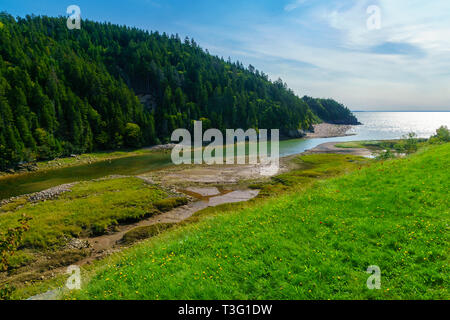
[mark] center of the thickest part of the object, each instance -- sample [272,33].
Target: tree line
[109,87]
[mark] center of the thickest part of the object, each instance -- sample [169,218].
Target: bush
[409,144]
[10,241]
[442,135]
[386,155]
[9,244]
[133,135]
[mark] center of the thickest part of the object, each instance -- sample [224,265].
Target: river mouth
[27,183]
[376,126]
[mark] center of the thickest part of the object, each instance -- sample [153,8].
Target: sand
[327,130]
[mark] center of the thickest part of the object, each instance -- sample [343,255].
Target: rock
[204,192]
[50,193]
[163,147]
[148,101]
[292,134]
[77,244]
[32,167]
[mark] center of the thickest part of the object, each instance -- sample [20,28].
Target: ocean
[377,126]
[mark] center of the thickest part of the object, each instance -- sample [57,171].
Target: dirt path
[105,244]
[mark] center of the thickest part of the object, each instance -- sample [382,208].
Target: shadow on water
[390,125]
[135,165]
[38,181]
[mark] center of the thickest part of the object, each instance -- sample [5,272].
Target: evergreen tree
[64,92]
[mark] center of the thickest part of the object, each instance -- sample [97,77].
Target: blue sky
[322,48]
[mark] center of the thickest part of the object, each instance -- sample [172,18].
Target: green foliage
[409,143]
[11,240]
[310,244]
[9,243]
[331,111]
[133,135]
[6,292]
[91,208]
[350,145]
[386,155]
[65,92]
[442,135]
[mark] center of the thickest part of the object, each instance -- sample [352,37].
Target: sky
[371,55]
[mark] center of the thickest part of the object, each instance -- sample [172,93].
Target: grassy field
[313,243]
[373,145]
[91,208]
[305,170]
[378,145]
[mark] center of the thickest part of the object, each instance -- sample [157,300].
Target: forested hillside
[331,111]
[107,86]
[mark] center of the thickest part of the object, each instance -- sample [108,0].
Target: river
[376,126]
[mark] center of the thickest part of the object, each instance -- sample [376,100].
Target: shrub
[385,155]
[133,135]
[9,244]
[409,143]
[442,135]
[10,241]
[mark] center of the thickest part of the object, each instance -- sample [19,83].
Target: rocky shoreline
[43,195]
[328,130]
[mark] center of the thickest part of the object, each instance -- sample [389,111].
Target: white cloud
[294,5]
[326,50]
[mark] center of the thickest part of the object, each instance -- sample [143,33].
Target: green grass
[312,244]
[308,170]
[378,145]
[91,208]
[351,144]
[371,144]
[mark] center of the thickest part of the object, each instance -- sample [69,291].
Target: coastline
[323,130]
[331,147]
[328,130]
[230,184]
